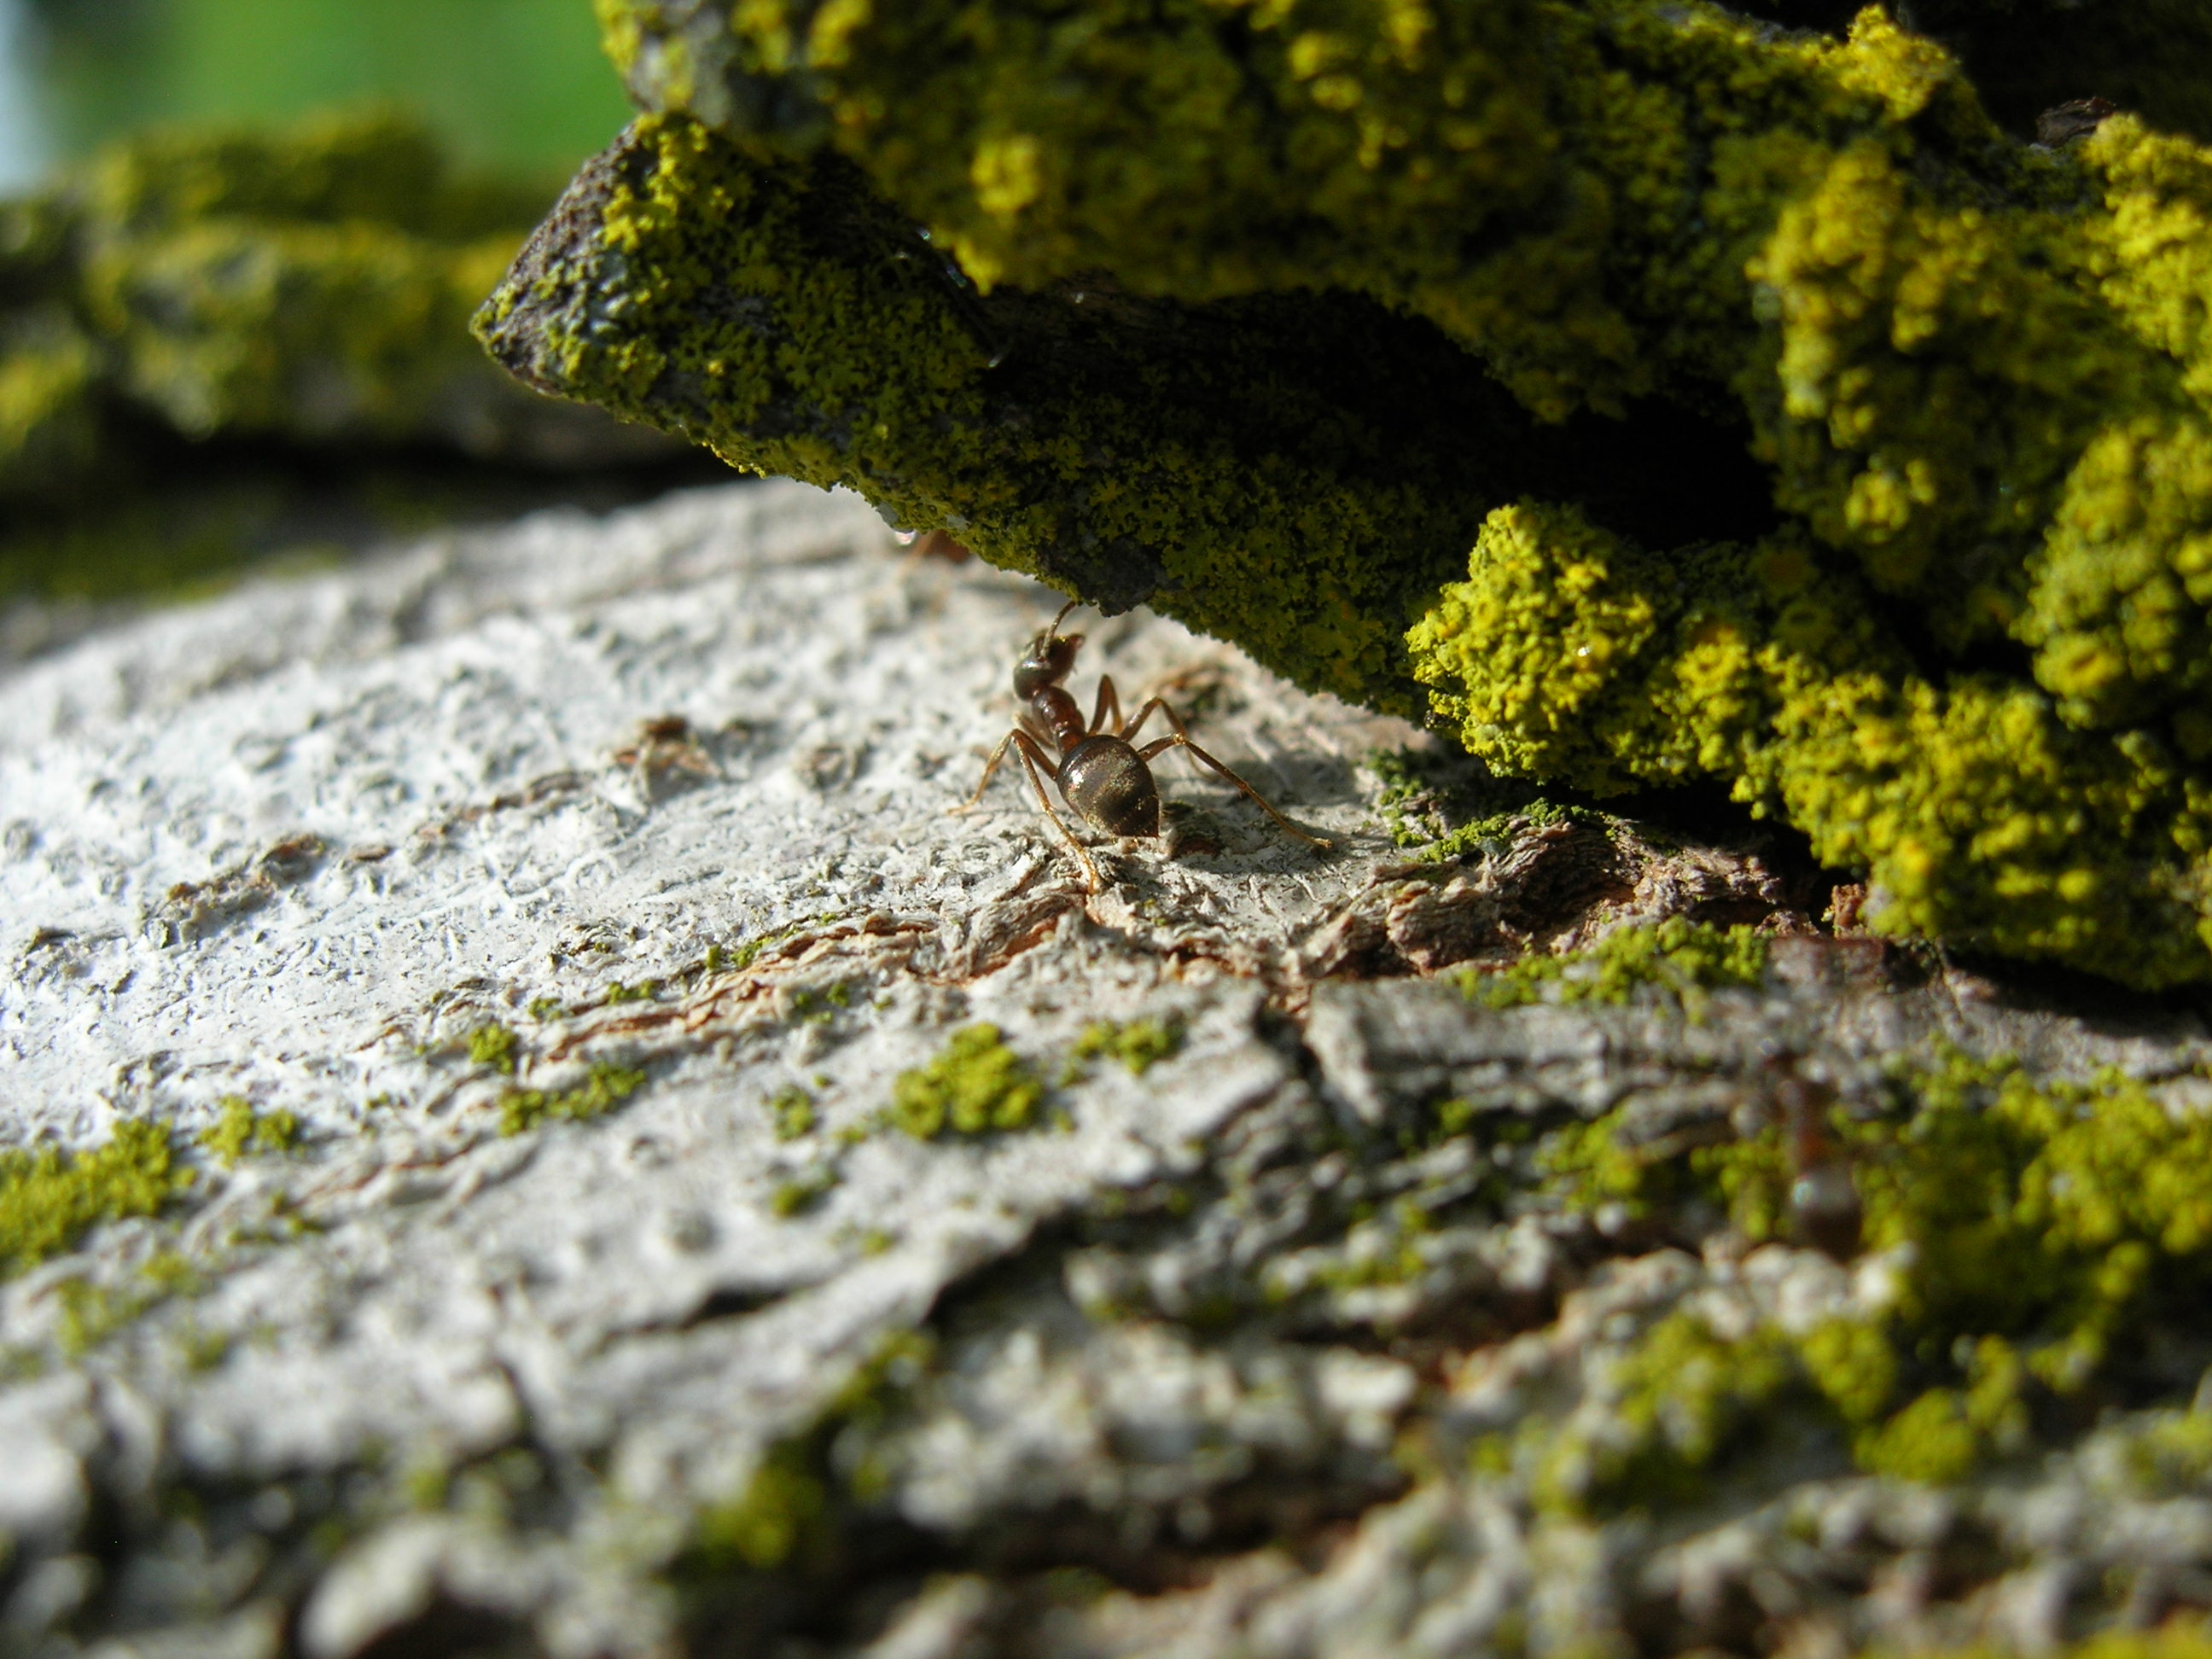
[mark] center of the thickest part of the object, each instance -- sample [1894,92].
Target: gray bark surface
[666,792]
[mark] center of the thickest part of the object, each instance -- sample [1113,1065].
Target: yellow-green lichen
[1441,808]
[1683,1402]
[91,1313]
[792,1110]
[1162,436]
[1980,814]
[49,1197]
[494,1045]
[199,1349]
[741,956]
[2173,1455]
[1947,1431]
[238,1129]
[1386,1249]
[974,1086]
[803,1191]
[1686,960]
[781,1520]
[2033,1229]
[1137,1045]
[2179,1638]
[787,1517]
[812,1006]
[1680,1400]
[605,1087]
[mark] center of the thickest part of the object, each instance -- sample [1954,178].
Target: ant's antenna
[1052,632]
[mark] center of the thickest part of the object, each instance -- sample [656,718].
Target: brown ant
[1101,772]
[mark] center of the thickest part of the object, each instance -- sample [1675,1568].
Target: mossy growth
[2177,1638]
[605,1087]
[1682,959]
[91,1313]
[803,1191]
[738,957]
[1645,393]
[1981,814]
[2170,1454]
[2034,1228]
[1385,1248]
[781,1519]
[806,269]
[494,1045]
[1136,1045]
[1679,1401]
[818,1005]
[792,1110]
[789,1516]
[976,1086]
[50,1197]
[1443,805]
[199,1349]
[240,1129]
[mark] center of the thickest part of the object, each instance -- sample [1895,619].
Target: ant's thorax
[1059,715]
[1050,660]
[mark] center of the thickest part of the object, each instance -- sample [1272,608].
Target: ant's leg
[984,782]
[1108,698]
[1181,740]
[1033,756]
[1128,733]
[998,755]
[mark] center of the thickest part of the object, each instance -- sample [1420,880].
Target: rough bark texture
[548,955]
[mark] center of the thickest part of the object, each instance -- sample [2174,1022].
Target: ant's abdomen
[1105,780]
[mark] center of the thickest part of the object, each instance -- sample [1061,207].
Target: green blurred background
[515,88]
[516,84]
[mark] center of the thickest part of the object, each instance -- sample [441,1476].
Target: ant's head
[1049,660]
